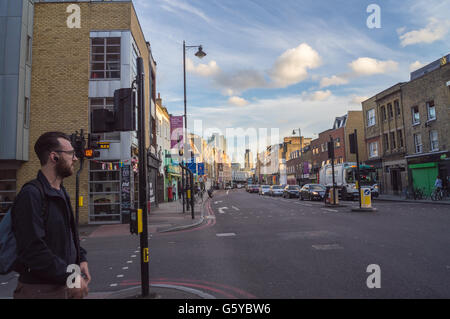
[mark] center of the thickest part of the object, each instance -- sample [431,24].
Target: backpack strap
[44,209]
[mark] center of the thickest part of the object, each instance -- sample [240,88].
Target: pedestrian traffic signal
[89,153]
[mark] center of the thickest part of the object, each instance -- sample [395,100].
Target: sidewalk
[168,217]
[394,198]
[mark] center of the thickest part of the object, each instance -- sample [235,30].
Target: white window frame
[105,61]
[373,149]
[428,110]
[434,143]
[414,122]
[371,119]
[418,145]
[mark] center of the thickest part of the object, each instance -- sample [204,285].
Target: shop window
[104,192]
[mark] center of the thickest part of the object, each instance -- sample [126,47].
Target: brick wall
[431,86]
[60,75]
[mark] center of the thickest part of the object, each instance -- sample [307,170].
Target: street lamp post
[301,148]
[200,54]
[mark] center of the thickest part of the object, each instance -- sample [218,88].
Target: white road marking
[308,205]
[119,276]
[125,268]
[218,202]
[4,283]
[221,210]
[129,262]
[226,235]
[133,256]
[330,210]
[235,208]
[113,285]
[327,247]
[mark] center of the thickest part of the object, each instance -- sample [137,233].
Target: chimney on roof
[159,100]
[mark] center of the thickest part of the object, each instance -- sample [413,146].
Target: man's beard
[63,169]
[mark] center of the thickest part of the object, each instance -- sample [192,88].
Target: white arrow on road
[235,208]
[221,210]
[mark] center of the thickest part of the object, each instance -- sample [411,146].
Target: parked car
[255,189]
[276,190]
[291,191]
[312,192]
[264,190]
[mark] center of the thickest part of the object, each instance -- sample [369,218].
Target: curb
[412,201]
[161,293]
[195,224]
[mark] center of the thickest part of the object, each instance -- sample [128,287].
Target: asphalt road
[262,247]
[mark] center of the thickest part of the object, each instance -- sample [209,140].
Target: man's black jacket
[44,253]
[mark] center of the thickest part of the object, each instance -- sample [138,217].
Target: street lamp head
[293,132]
[200,54]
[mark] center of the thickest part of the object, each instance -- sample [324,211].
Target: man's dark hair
[47,143]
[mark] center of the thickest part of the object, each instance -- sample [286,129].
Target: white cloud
[357,100]
[334,80]
[239,81]
[317,95]
[237,101]
[369,66]
[415,66]
[435,30]
[291,67]
[204,70]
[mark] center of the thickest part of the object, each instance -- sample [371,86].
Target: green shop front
[423,170]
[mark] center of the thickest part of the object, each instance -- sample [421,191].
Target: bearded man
[45,229]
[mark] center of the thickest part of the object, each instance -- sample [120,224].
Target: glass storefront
[104,193]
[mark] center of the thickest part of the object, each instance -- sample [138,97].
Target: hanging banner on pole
[176,132]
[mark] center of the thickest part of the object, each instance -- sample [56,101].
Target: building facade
[77,70]
[426,101]
[16,41]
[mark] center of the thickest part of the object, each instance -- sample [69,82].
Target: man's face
[65,165]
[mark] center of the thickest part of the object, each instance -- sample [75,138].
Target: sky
[287,64]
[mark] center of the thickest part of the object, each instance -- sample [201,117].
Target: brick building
[426,101]
[76,70]
[384,118]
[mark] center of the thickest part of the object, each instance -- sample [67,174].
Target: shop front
[424,169]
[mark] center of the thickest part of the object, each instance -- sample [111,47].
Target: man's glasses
[70,153]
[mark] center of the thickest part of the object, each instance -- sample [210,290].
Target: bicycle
[437,194]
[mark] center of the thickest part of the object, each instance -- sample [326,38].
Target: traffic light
[352,139]
[331,150]
[78,143]
[125,110]
[90,152]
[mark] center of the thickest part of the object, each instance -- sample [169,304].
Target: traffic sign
[103,145]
